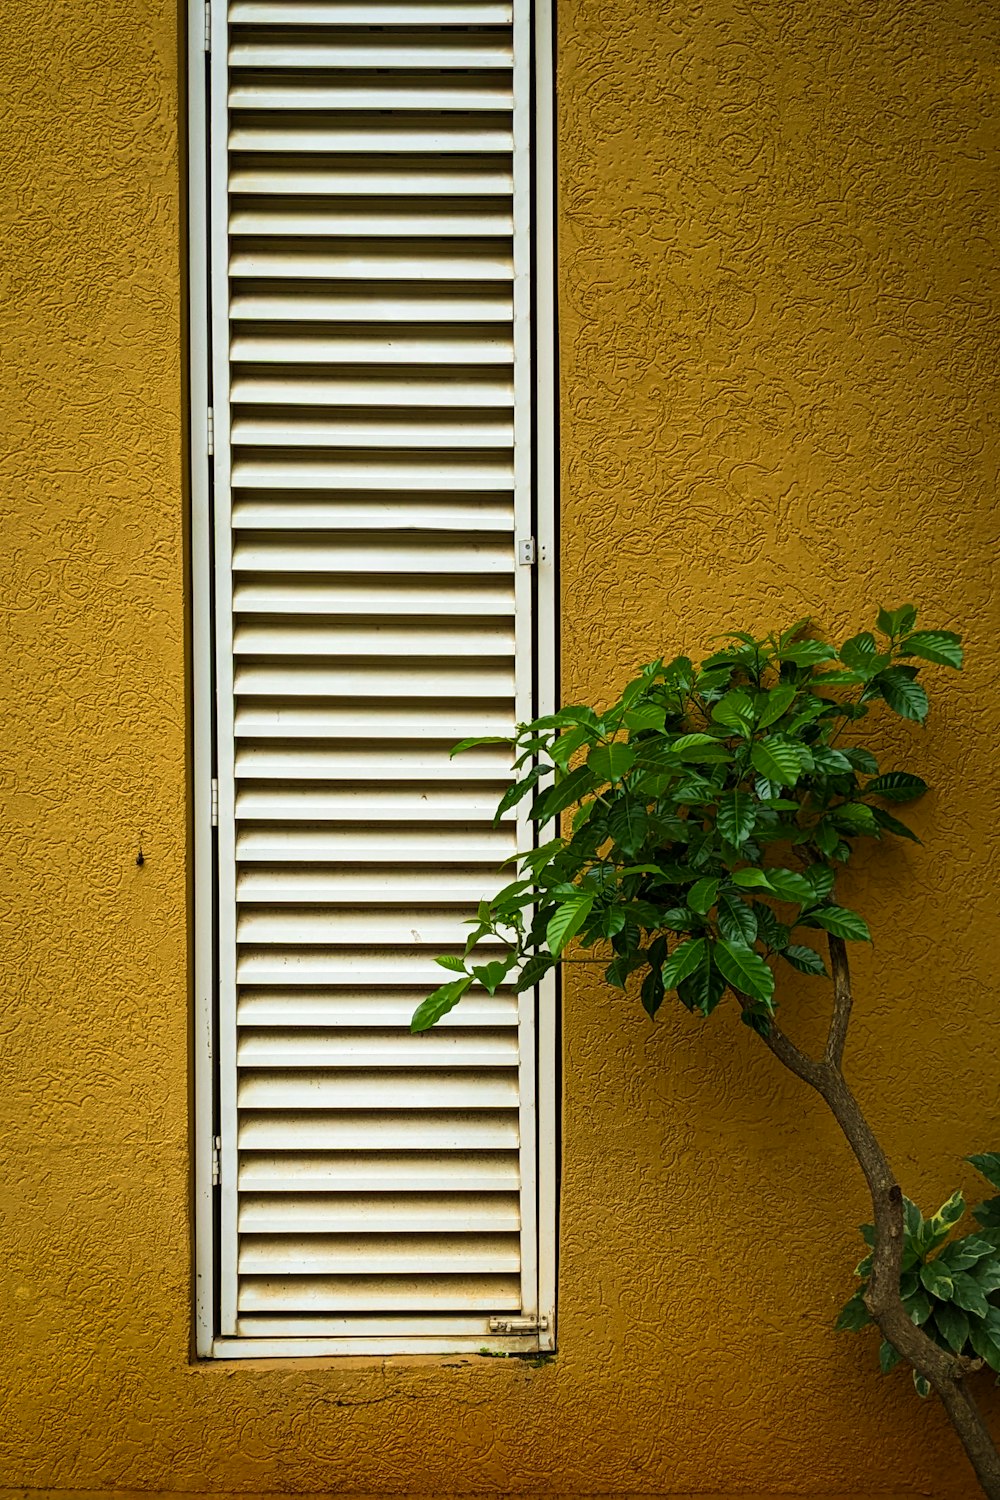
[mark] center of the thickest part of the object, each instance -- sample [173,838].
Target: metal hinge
[526,551]
[216,1160]
[518,1325]
[210,431]
[215,802]
[208,25]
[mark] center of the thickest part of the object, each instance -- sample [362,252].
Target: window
[372,488]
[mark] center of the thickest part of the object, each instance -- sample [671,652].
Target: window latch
[518,1325]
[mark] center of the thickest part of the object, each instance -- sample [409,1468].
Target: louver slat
[373,438]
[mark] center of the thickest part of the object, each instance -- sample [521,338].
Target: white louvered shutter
[372,389]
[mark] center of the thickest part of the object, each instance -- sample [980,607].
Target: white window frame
[207,1343]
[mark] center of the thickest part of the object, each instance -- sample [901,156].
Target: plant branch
[843,1001]
[792,1057]
[945,1372]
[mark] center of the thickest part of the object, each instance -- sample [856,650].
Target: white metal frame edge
[546,625]
[205,645]
[202,635]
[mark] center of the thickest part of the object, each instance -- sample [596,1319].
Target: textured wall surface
[778,343]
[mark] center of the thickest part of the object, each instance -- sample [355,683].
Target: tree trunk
[945,1372]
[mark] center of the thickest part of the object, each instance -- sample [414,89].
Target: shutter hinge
[215,802]
[210,431]
[518,1325]
[216,1160]
[208,25]
[526,551]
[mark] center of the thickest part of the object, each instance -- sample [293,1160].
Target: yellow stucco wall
[777,347]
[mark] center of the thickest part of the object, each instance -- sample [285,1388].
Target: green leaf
[888,1357]
[449,961]
[750,879]
[987,1276]
[737,921]
[652,991]
[987,1165]
[833,762]
[736,817]
[438,1004]
[948,1214]
[986,1344]
[613,920]
[480,739]
[701,749]
[893,825]
[567,790]
[683,961]
[842,678]
[735,710]
[918,1306]
[645,716]
[492,975]
[702,990]
[940,646]
[913,1219]
[566,921]
[821,878]
[677,919]
[807,653]
[921,1386]
[513,795]
[841,922]
[788,886]
[777,761]
[568,717]
[772,705]
[565,747]
[702,894]
[628,824]
[744,970]
[633,691]
[988,1213]
[862,760]
[966,1291]
[966,1252]
[897,621]
[978,1248]
[859,651]
[954,1325]
[690,742]
[610,762]
[707,683]
[936,1280]
[855,817]
[897,786]
[537,966]
[806,960]
[854,1315]
[903,694]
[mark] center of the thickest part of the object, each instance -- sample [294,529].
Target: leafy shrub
[706,816]
[949,1283]
[685,791]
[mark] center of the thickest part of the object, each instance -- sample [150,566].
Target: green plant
[949,1283]
[706,816]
